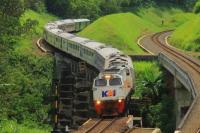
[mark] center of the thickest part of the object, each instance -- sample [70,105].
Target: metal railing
[185,80]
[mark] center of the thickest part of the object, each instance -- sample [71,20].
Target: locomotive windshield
[100,82]
[115,81]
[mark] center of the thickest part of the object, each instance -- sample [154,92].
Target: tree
[85,8]
[14,8]
[58,7]
[196,8]
[36,5]
[10,11]
[110,6]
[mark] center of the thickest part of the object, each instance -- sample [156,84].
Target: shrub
[197,7]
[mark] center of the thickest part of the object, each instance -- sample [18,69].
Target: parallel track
[189,61]
[190,65]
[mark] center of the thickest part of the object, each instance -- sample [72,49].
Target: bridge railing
[183,77]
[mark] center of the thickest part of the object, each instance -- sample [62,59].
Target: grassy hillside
[187,36]
[26,42]
[122,30]
[171,17]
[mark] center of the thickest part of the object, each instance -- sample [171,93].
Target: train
[114,84]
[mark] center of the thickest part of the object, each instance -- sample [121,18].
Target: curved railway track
[185,58]
[156,43]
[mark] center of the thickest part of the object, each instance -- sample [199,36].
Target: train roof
[66,35]
[79,39]
[108,51]
[94,45]
[50,26]
[69,21]
[81,20]
[65,21]
[56,31]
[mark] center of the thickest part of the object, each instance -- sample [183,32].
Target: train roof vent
[101,47]
[112,55]
[113,60]
[60,31]
[123,55]
[124,60]
[86,41]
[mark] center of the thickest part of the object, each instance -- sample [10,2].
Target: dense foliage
[25,79]
[150,83]
[36,5]
[25,86]
[197,7]
[94,8]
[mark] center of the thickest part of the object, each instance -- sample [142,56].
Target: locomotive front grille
[110,107]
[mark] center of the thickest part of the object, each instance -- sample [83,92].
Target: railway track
[96,125]
[182,56]
[156,44]
[101,126]
[117,125]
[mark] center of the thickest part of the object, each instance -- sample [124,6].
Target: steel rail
[187,60]
[181,56]
[108,125]
[94,125]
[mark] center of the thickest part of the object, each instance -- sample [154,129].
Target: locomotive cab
[108,94]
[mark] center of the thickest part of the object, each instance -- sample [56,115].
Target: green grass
[122,30]
[119,30]
[42,18]
[9,126]
[187,36]
[27,42]
[172,17]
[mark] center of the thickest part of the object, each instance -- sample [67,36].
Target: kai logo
[108,93]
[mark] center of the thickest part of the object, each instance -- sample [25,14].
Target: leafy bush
[27,87]
[36,5]
[149,83]
[197,7]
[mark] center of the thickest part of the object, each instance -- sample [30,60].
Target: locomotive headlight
[107,77]
[120,100]
[98,102]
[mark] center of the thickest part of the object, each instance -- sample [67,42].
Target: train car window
[115,81]
[100,82]
[79,26]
